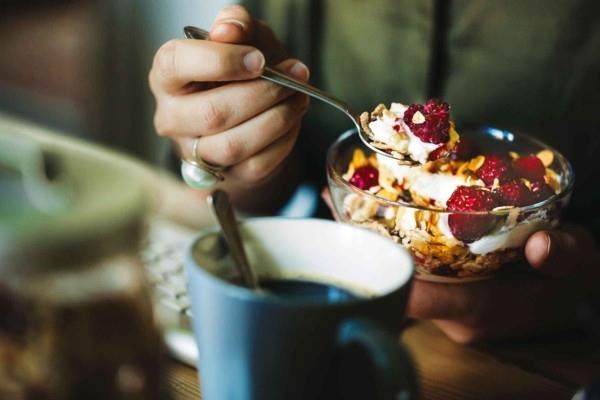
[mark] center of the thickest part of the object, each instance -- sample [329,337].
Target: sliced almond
[418,118]
[388,114]
[390,215]
[454,137]
[386,194]
[361,208]
[434,217]
[358,158]
[461,170]
[418,216]
[397,155]
[546,156]
[372,160]
[387,180]
[429,166]
[514,155]
[500,209]
[553,180]
[379,110]
[403,136]
[365,118]
[348,175]
[513,217]
[476,163]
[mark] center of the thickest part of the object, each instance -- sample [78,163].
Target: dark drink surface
[309,290]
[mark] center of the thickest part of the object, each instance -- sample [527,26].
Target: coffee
[302,289]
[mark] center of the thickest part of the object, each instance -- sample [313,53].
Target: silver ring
[213,169]
[198,173]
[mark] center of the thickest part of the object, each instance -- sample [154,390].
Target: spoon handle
[219,200]
[279,78]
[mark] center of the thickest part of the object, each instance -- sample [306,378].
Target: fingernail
[538,249]
[548,240]
[254,61]
[559,261]
[299,71]
[543,250]
[552,242]
[234,22]
[222,27]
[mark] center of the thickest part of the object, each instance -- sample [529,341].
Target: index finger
[233,24]
[181,61]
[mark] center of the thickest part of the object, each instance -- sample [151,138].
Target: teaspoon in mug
[223,210]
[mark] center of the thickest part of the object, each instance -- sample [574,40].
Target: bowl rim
[499,211]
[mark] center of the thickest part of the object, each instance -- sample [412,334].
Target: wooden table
[548,368]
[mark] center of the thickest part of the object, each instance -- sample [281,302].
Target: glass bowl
[424,228]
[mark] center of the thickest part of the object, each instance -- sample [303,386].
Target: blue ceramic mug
[272,345]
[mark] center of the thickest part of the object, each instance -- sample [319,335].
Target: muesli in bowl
[464,214]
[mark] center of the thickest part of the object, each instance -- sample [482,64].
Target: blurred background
[81,66]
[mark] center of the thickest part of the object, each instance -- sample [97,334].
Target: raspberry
[540,190]
[440,152]
[433,124]
[365,177]
[464,150]
[469,228]
[495,166]
[466,227]
[471,198]
[514,193]
[529,167]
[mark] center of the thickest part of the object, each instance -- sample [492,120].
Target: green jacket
[530,65]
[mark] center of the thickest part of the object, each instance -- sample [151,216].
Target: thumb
[558,252]
[233,24]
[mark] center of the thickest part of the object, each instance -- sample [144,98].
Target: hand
[543,296]
[526,302]
[208,90]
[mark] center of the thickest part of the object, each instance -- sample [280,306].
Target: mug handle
[372,364]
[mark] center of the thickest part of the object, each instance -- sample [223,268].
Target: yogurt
[407,143]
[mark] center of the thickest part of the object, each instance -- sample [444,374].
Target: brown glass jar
[76,320]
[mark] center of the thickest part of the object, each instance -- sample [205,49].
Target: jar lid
[62,207]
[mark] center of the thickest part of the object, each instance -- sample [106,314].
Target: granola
[413,206]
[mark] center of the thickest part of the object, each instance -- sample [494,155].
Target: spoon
[221,206]
[270,74]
